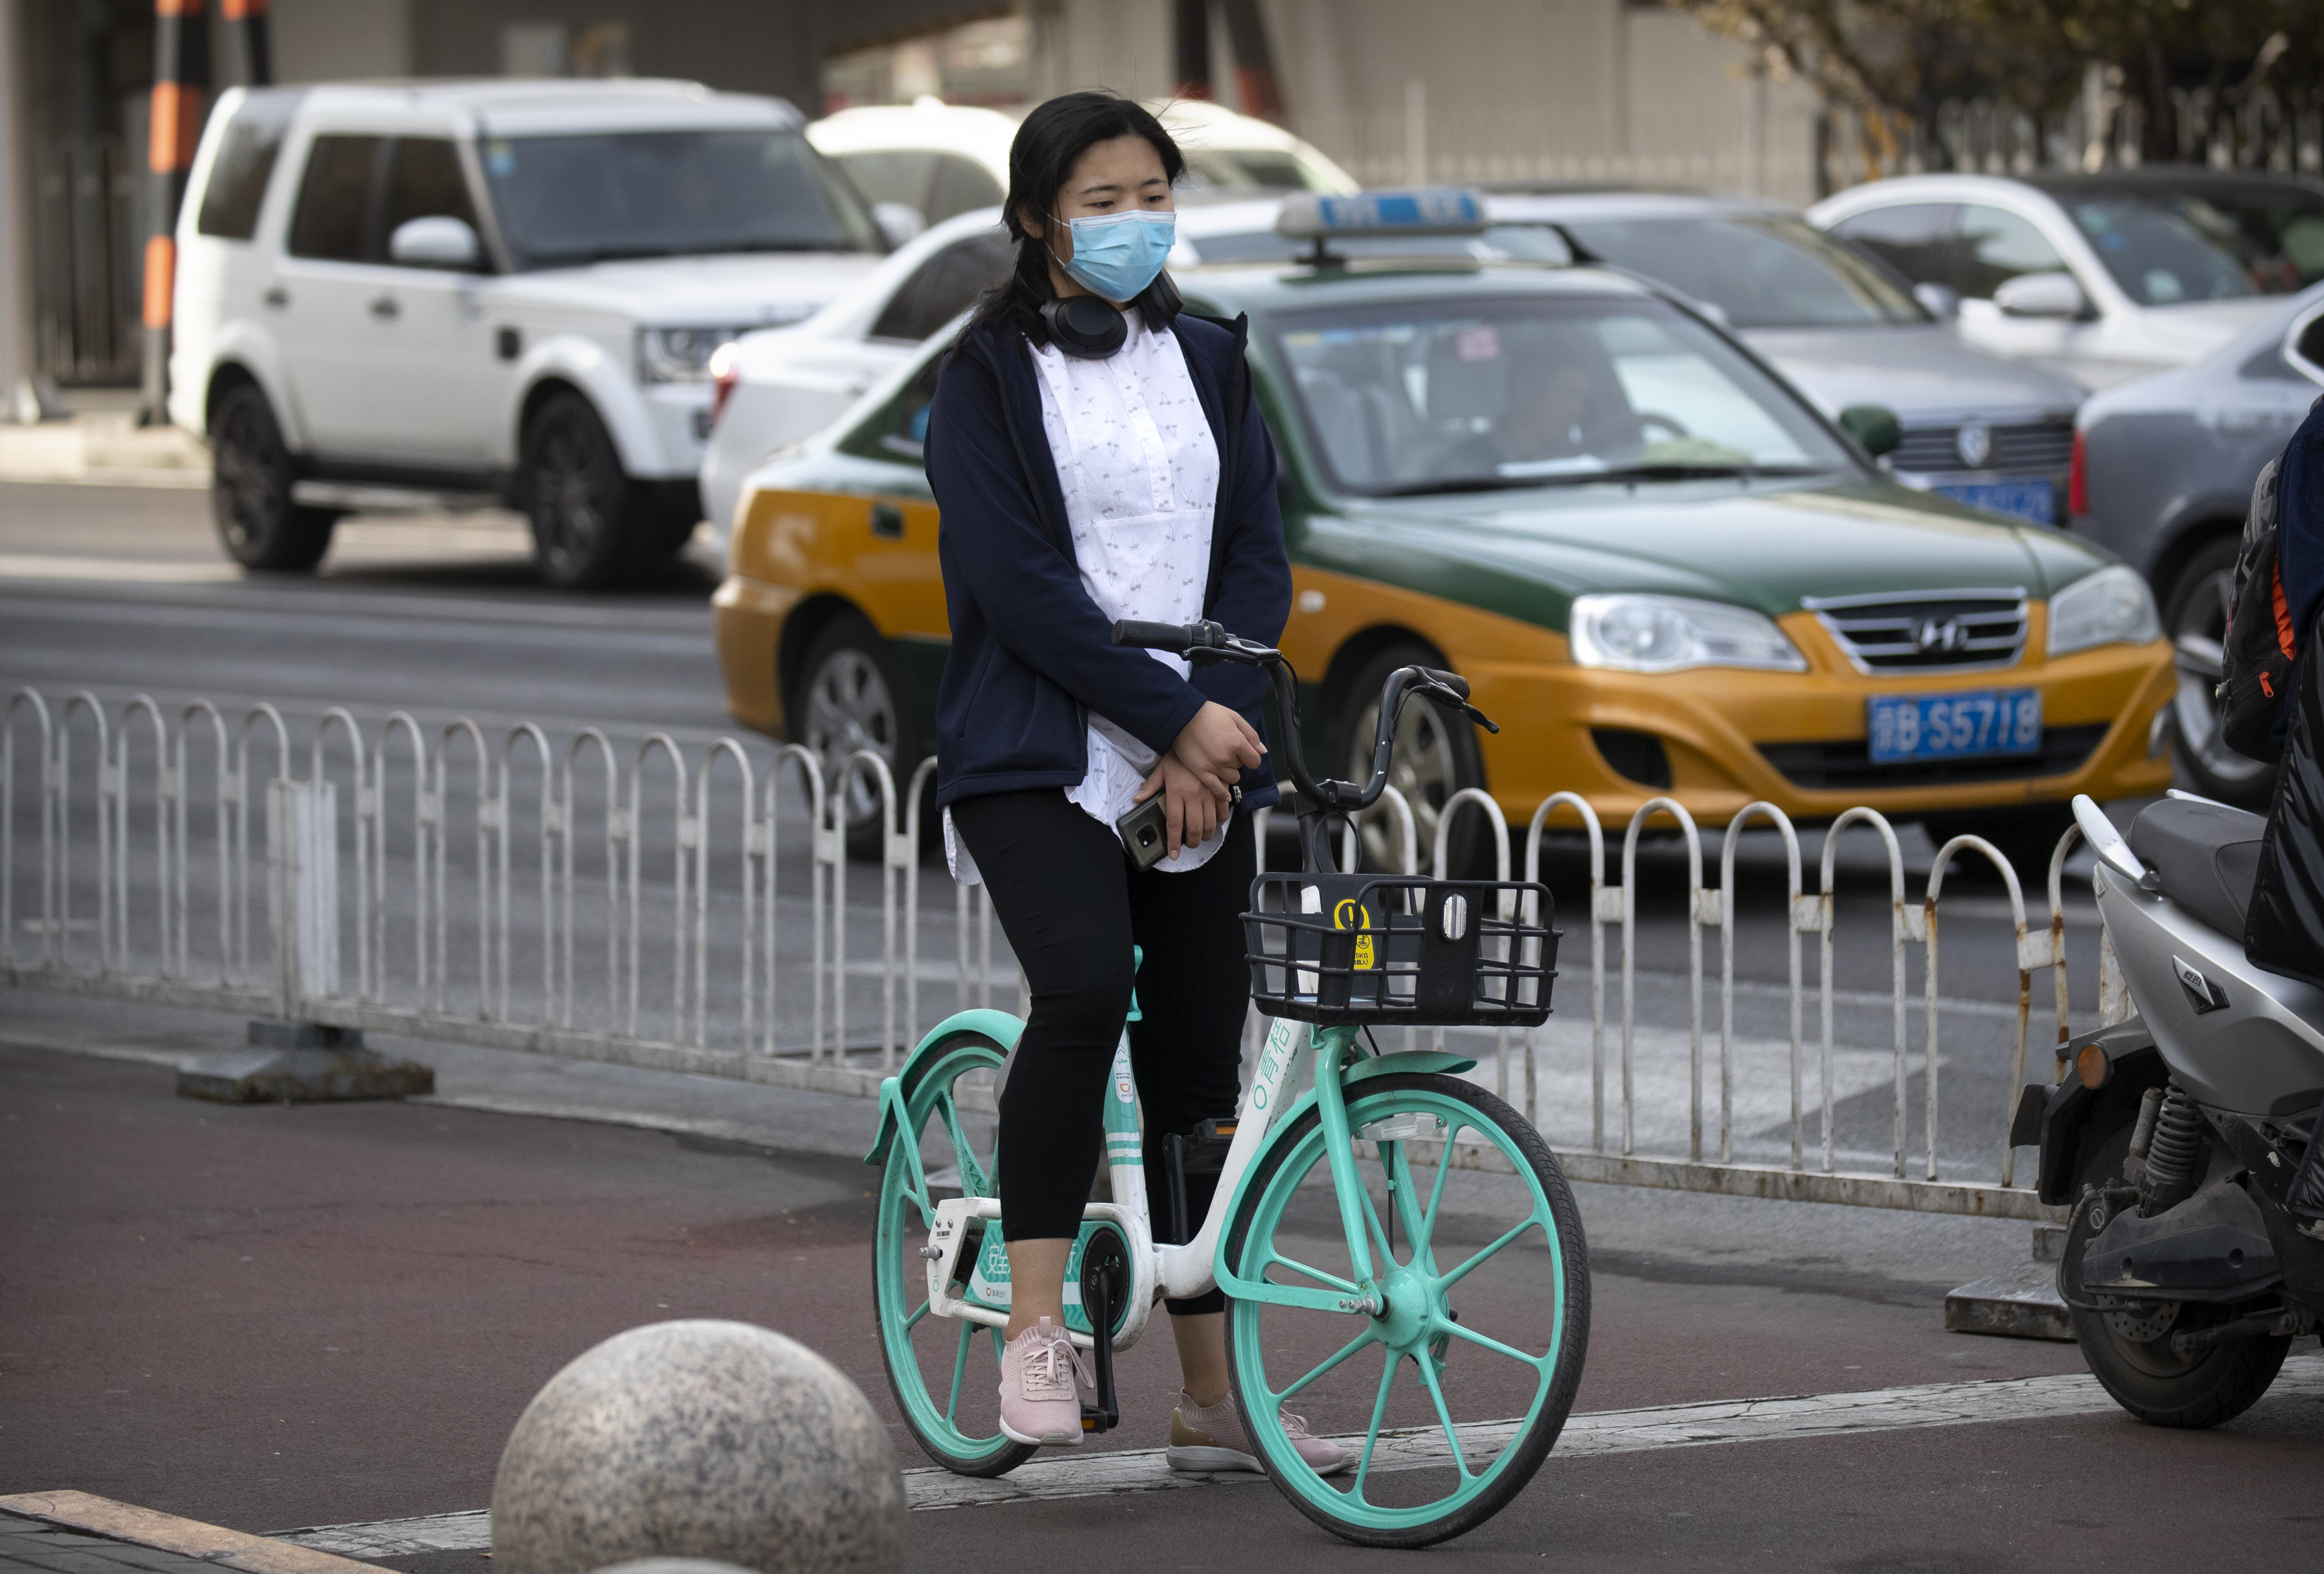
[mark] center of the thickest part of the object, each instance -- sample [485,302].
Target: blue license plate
[2023,500]
[1954,726]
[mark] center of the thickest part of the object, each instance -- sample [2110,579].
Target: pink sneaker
[1210,1438]
[1039,1400]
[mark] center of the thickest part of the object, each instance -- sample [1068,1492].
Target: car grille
[1945,632]
[2032,448]
[1848,765]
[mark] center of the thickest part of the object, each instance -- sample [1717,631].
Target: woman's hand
[1191,812]
[1216,746]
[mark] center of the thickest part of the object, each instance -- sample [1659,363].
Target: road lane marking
[1605,1431]
[44,566]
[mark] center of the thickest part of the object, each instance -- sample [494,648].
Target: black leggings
[1072,904]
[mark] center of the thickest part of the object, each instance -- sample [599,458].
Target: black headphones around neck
[1084,326]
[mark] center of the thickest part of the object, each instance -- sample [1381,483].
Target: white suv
[494,289]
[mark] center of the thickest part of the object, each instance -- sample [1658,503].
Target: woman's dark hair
[1049,143]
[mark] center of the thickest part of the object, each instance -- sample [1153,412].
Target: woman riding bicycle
[1096,455]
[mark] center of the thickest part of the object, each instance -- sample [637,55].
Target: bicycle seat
[2205,857]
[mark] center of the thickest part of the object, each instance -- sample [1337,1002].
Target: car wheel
[589,528]
[1433,757]
[2196,619]
[2026,836]
[852,696]
[251,477]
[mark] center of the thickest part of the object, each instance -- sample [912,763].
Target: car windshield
[1761,271]
[1478,394]
[2165,246]
[567,200]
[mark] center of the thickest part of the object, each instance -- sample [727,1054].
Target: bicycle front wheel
[1451,1396]
[946,1372]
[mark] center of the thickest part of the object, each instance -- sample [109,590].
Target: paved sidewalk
[101,443]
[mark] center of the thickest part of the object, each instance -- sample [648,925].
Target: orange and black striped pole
[247,20]
[181,80]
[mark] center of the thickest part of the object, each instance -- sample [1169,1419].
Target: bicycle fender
[1380,1065]
[896,1091]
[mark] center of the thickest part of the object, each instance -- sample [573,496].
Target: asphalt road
[270,1318]
[122,590]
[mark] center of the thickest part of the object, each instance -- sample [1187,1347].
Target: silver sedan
[1992,433]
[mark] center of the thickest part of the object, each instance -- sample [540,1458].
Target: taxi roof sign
[1428,210]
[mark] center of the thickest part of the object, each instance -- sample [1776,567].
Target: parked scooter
[2186,1138]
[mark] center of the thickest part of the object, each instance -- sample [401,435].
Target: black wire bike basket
[1345,948]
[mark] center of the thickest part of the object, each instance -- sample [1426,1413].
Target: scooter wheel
[2161,1387]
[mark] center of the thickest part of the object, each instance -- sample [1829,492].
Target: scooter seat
[2204,855]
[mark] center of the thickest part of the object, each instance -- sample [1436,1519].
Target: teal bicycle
[1401,1253]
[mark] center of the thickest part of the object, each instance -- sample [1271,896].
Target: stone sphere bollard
[699,1441]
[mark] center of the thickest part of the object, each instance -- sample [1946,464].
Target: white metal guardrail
[628,905]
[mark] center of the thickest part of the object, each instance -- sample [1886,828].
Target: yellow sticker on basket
[1349,915]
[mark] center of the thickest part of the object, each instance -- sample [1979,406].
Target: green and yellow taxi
[1661,569]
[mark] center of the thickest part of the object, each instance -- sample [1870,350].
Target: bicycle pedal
[1094,1420]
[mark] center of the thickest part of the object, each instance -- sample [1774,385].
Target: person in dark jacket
[1096,455]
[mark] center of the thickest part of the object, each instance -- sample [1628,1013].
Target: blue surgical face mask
[1116,255]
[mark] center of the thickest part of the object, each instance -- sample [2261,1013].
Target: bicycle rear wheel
[1454,1395]
[946,1372]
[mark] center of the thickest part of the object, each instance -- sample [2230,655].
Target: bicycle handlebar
[1172,637]
[1205,644]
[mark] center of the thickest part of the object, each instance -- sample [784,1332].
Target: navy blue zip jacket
[1031,654]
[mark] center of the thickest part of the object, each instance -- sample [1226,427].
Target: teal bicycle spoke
[1371,1433]
[1408,1211]
[1425,1235]
[959,1368]
[1515,1230]
[1330,1362]
[1444,1416]
[913,1321]
[1329,1281]
[1464,1332]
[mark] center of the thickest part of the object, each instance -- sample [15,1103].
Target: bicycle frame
[1160,1269]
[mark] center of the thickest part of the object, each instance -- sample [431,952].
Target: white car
[779,387]
[945,159]
[775,387]
[497,290]
[2102,277]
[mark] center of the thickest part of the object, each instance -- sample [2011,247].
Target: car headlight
[2111,607]
[680,355]
[1666,633]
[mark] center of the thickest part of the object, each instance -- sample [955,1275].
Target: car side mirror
[1941,301]
[436,242]
[2041,295]
[1874,426]
[898,222]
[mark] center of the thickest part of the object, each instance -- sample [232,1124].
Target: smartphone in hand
[1146,832]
